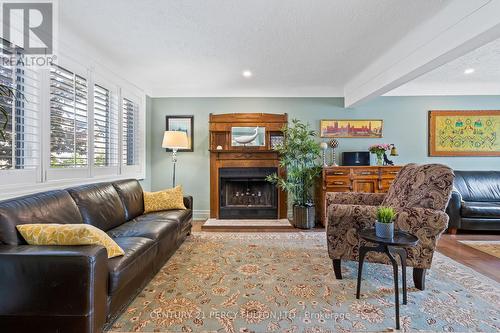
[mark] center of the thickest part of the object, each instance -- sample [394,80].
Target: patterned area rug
[489,247]
[283,282]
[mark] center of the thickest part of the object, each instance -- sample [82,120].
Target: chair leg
[337,269]
[419,278]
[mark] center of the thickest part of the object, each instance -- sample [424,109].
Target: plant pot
[384,230]
[303,216]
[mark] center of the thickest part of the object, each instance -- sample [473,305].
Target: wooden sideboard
[370,179]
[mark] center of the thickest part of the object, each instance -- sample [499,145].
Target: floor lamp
[175,140]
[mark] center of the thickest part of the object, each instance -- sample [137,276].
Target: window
[85,129]
[19,146]
[130,132]
[105,128]
[68,119]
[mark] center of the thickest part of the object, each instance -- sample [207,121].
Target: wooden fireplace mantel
[242,157]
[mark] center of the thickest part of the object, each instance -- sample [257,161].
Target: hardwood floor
[481,262]
[448,245]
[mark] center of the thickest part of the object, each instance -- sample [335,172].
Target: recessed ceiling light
[469,71]
[247,73]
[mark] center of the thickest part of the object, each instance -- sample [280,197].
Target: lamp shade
[175,140]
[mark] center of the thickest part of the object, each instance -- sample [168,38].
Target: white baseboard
[201,214]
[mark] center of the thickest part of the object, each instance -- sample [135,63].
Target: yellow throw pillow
[164,200]
[68,234]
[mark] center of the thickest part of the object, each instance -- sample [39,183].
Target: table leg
[362,253]
[402,255]
[396,284]
[401,252]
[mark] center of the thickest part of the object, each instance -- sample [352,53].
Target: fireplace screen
[244,193]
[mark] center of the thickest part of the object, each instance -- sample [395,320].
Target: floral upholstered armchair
[419,194]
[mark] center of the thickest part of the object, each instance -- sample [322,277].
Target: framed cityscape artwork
[183,124]
[464,133]
[351,128]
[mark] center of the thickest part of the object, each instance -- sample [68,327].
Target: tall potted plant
[299,156]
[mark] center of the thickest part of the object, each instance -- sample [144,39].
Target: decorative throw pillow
[68,234]
[164,200]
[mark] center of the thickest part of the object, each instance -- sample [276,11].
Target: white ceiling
[200,47]
[450,79]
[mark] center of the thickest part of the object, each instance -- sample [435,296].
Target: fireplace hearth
[245,194]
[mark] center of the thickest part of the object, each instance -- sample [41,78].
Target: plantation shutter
[130,128]
[68,119]
[105,128]
[20,121]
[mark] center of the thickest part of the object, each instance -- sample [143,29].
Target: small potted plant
[384,226]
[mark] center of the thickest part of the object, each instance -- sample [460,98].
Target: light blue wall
[146,182]
[405,124]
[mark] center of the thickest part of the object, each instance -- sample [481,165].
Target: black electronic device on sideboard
[353,158]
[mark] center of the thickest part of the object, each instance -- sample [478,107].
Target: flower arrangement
[379,150]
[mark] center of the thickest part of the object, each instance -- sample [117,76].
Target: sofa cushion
[478,185]
[164,200]
[140,253]
[46,207]
[152,230]
[131,194]
[99,204]
[180,215]
[68,234]
[481,209]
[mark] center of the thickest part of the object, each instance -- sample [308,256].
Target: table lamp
[174,140]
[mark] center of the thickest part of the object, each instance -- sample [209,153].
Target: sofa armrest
[53,288]
[344,222]
[453,209]
[188,202]
[354,198]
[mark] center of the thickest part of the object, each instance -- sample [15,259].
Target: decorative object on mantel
[275,140]
[182,124]
[219,147]
[298,155]
[333,143]
[248,136]
[379,150]
[464,133]
[324,147]
[175,140]
[394,152]
[351,128]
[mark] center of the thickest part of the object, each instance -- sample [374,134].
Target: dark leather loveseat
[77,288]
[475,201]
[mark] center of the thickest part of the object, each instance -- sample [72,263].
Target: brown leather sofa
[77,288]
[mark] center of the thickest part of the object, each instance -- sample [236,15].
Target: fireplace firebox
[245,194]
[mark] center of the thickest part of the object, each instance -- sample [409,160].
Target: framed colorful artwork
[464,133]
[351,128]
[184,124]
